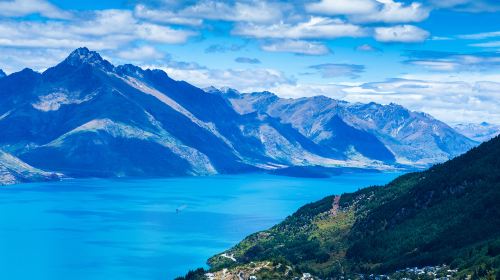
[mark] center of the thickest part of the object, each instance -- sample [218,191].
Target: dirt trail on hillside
[335,205]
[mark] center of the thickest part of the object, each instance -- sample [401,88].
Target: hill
[448,214]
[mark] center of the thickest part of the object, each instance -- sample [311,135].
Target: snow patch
[5,115]
[54,101]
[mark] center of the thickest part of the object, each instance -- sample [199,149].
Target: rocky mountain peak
[85,56]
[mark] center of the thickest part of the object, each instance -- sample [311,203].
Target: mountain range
[442,223]
[386,133]
[88,118]
[480,132]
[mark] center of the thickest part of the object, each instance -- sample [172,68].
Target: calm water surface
[145,229]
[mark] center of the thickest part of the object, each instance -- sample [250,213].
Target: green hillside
[449,214]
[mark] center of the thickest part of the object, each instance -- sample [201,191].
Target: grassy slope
[447,214]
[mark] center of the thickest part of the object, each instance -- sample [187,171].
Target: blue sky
[437,56]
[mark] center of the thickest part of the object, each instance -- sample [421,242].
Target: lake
[145,229]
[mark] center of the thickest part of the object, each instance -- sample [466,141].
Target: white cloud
[141,54]
[19,8]
[451,101]
[479,36]
[494,44]
[245,80]
[164,16]
[395,12]
[436,65]
[401,33]
[388,11]
[108,29]
[252,11]
[308,90]
[342,7]
[455,62]
[297,47]
[15,59]
[162,34]
[367,48]
[315,27]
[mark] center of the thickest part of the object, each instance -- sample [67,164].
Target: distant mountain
[2,73]
[447,215]
[386,133]
[13,171]
[479,132]
[86,117]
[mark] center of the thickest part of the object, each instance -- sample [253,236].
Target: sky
[441,57]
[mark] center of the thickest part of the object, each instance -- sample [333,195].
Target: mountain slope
[13,171]
[448,214]
[91,118]
[53,115]
[2,73]
[394,132]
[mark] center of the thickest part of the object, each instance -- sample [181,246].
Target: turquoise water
[145,229]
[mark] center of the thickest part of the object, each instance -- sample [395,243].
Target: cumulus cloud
[107,29]
[245,80]
[257,11]
[297,47]
[314,28]
[19,8]
[330,70]
[401,34]
[342,7]
[395,12]
[164,16]
[142,53]
[15,59]
[388,11]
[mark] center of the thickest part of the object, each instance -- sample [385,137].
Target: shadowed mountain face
[382,132]
[87,117]
[2,73]
[448,214]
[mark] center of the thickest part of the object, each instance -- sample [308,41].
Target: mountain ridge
[407,134]
[92,118]
[479,132]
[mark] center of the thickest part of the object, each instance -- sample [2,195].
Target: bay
[149,228]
